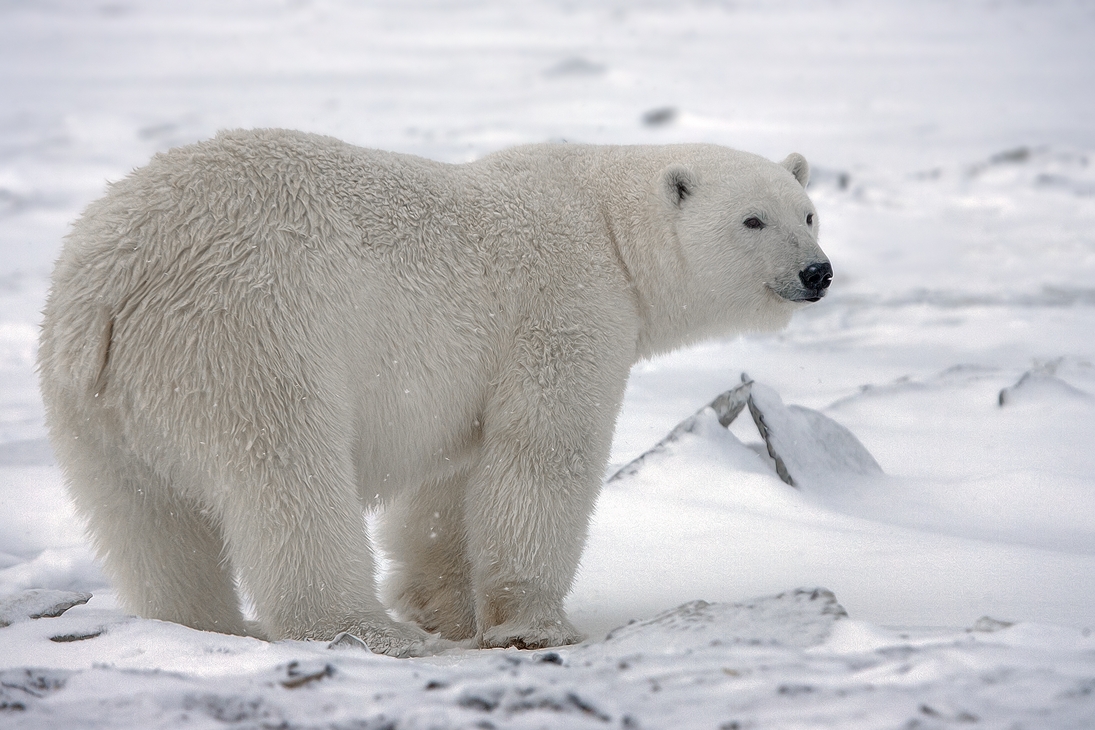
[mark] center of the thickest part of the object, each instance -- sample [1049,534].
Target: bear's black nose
[817,276]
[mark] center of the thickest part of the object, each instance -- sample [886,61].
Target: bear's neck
[647,248]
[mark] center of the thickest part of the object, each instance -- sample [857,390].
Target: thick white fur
[252,339]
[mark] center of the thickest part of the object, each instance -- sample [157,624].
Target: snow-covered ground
[954,155]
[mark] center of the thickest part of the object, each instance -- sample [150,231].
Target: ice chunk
[807,446]
[38,603]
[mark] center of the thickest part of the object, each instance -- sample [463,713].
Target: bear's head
[746,235]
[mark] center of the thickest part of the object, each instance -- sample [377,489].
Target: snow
[952,150]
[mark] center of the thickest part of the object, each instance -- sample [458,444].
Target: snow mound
[170,675]
[790,660]
[725,408]
[1041,385]
[799,618]
[1042,167]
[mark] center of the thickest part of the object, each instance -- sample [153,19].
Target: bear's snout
[816,278]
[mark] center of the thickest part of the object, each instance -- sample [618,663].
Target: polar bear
[253,340]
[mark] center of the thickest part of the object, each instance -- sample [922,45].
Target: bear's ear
[797,165]
[678,182]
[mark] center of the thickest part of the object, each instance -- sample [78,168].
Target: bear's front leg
[546,434]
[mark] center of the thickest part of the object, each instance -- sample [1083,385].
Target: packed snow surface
[933,563]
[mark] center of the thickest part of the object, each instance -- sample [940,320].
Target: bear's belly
[420,428]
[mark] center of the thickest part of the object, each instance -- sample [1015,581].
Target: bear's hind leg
[163,554]
[430,581]
[296,531]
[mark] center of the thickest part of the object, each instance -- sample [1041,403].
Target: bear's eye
[809,219]
[753,222]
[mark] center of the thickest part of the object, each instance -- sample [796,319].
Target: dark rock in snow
[660,117]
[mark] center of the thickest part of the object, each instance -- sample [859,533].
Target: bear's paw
[393,639]
[536,635]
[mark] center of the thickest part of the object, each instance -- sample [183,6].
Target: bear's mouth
[798,294]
